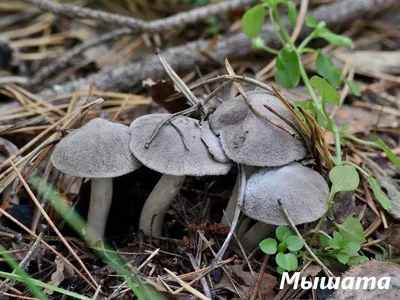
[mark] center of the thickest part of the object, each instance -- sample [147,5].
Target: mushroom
[303,191]
[6,150]
[100,151]
[176,151]
[374,270]
[248,139]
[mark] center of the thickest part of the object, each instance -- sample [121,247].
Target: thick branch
[235,47]
[157,26]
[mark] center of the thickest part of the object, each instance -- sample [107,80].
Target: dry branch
[132,26]
[234,47]
[157,26]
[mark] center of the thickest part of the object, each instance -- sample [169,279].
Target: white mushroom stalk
[101,194]
[176,151]
[158,202]
[100,151]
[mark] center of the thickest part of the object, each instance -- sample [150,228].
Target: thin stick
[54,227]
[23,263]
[259,278]
[293,226]
[187,287]
[242,187]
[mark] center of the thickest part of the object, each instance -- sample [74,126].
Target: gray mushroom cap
[302,191]
[213,143]
[248,139]
[6,149]
[371,269]
[167,153]
[99,149]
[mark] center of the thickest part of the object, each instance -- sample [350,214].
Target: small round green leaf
[355,260]
[282,247]
[353,247]
[287,261]
[344,178]
[268,246]
[294,243]
[342,257]
[253,20]
[311,22]
[283,232]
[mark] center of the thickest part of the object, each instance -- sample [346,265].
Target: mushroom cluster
[241,131]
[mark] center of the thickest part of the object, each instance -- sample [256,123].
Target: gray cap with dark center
[99,149]
[303,192]
[248,139]
[167,153]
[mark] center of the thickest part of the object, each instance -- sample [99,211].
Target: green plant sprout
[342,246]
[287,250]
[290,70]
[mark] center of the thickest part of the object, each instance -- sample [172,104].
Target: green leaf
[268,246]
[287,72]
[353,247]
[311,22]
[393,158]
[335,242]
[385,202]
[292,13]
[327,92]
[282,247]
[287,261]
[324,241]
[344,178]
[283,232]
[353,87]
[280,270]
[335,39]
[342,257]
[352,230]
[354,260]
[327,69]
[253,20]
[294,243]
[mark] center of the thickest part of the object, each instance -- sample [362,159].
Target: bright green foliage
[294,243]
[287,261]
[287,72]
[292,13]
[393,158]
[283,232]
[327,69]
[344,178]
[253,20]
[335,39]
[268,246]
[352,231]
[327,92]
[379,194]
[353,87]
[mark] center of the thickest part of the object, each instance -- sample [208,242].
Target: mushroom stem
[230,208]
[100,202]
[255,235]
[157,203]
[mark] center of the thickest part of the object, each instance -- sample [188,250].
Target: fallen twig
[237,46]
